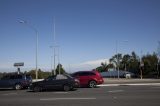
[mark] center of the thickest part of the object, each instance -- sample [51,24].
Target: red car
[88,78]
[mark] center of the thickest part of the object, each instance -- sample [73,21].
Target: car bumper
[101,81]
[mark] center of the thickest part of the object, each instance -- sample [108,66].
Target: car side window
[19,77]
[50,78]
[91,73]
[82,74]
[86,74]
[76,74]
[58,77]
[5,77]
[12,77]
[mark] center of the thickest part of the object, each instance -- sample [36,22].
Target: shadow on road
[6,89]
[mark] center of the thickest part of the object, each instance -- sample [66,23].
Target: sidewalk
[127,82]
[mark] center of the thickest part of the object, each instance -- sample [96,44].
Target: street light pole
[117,58]
[52,70]
[141,66]
[59,72]
[32,27]
[158,68]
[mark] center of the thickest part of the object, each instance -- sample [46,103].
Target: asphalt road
[102,96]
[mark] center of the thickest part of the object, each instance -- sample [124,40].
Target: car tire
[18,86]
[92,84]
[66,87]
[37,89]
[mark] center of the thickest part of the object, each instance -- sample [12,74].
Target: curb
[138,84]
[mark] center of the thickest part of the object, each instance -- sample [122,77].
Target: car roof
[85,71]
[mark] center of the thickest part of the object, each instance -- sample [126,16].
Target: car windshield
[58,77]
[51,78]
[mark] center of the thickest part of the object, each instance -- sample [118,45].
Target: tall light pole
[117,66]
[56,54]
[54,43]
[141,65]
[158,55]
[32,27]
[52,60]
[54,48]
[117,56]
[59,72]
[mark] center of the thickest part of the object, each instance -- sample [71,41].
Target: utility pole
[117,66]
[54,41]
[36,32]
[158,55]
[158,68]
[54,48]
[51,60]
[141,66]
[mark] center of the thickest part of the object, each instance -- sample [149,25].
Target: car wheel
[37,89]
[92,84]
[66,87]
[18,86]
[72,88]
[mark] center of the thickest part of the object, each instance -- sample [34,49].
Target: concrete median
[129,82]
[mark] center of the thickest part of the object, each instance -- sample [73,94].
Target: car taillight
[76,80]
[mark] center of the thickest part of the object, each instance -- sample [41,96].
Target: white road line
[10,94]
[53,99]
[60,92]
[108,85]
[156,87]
[152,84]
[115,91]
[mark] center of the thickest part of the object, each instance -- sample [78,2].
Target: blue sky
[86,31]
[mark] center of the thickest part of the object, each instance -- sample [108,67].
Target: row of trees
[41,74]
[44,74]
[149,64]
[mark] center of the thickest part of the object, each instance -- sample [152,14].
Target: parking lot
[102,96]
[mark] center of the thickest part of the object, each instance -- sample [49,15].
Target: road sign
[18,64]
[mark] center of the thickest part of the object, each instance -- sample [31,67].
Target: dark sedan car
[58,82]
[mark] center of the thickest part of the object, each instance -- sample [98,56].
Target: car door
[82,77]
[4,82]
[50,83]
[61,80]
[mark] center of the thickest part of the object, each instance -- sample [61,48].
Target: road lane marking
[136,84]
[108,85]
[10,94]
[156,87]
[115,91]
[53,99]
[60,92]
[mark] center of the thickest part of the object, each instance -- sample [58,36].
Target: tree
[116,60]
[110,66]
[32,73]
[103,67]
[134,64]
[150,65]
[125,62]
[41,74]
[59,69]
